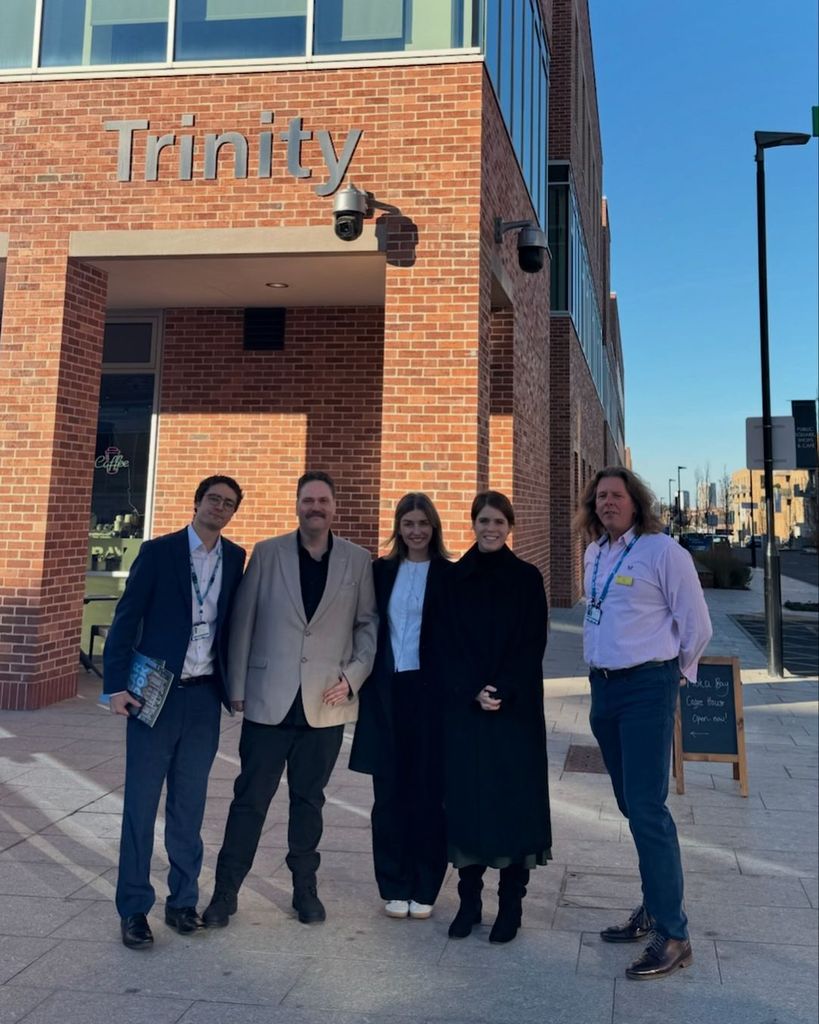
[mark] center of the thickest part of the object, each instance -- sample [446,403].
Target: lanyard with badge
[595,608]
[201,629]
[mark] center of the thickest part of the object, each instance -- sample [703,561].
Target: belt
[196,681]
[615,673]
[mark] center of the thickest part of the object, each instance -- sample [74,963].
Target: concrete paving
[751,876]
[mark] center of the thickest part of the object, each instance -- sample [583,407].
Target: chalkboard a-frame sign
[710,721]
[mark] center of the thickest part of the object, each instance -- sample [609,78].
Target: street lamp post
[670,506]
[679,501]
[773,586]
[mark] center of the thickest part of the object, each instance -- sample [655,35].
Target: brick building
[175,301]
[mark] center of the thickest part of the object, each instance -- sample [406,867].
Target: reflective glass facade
[517,60]
[107,33]
[573,292]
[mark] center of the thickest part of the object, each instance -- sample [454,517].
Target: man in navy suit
[175,608]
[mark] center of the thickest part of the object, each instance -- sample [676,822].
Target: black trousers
[408,823]
[310,755]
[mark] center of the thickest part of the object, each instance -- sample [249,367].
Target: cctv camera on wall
[350,207]
[532,243]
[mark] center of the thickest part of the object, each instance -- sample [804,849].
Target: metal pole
[670,506]
[753,546]
[679,501]
[773,587]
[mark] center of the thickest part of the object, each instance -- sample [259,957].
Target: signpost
[710,721]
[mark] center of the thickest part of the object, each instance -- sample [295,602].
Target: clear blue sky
[681,89]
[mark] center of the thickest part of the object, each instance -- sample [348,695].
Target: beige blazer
[273,650]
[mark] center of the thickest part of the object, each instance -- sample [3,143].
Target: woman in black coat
[398,735]
[496,795]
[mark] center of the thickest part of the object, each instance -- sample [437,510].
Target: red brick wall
[265,417]
[53,319]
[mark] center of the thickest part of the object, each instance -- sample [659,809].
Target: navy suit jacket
[155,614]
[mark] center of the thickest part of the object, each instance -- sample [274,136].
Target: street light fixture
[773,586]
[670,506]
[679,500]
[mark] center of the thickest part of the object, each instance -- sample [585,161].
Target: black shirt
[312,575]
[313,580]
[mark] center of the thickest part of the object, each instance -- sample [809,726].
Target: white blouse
[404,614]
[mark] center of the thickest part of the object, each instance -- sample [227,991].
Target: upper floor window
[17,36]
[107,33]
[242,29]
[86,32]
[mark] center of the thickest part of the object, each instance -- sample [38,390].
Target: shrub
[728,571]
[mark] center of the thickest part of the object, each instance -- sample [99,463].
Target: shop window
[94,32]
[241,29]
[17,34]
[361,26]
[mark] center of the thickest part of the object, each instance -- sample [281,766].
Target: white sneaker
[420,911]
[397,908]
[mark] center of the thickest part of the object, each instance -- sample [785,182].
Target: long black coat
[373,750]
[497,798]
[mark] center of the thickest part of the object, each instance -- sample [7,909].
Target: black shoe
[511,890]
[184,920]
[636,928]
[661,957]
[308,906]
[136,932]
[469,914]
[222,906]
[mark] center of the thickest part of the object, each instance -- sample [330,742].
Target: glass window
[241,29]
[17,35]
[127,343]
[88,32]
[491,46]
[365,26]
[504,84]
[528,83]
[120,470]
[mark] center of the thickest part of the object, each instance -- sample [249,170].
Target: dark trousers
[632,718]
[179,750]
[310,755]
[408,823]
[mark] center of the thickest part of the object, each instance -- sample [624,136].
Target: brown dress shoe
[636,928]
[661,957]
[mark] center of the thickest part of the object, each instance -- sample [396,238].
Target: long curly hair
[586,521]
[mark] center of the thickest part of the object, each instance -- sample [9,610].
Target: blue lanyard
[595,602]
[200,597]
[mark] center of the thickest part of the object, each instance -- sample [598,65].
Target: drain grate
[800,641]
[584,759]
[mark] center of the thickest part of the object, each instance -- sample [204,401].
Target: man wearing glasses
[175,609]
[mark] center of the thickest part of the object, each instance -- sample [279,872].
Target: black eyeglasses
[219,502]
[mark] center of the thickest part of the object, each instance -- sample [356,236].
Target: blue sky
[681,89]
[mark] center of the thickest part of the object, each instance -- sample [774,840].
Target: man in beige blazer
[302,641]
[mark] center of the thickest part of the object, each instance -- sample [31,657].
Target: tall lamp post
[670,506]
[773,586]
[679,500]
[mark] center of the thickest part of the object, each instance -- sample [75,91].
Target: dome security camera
[350,207]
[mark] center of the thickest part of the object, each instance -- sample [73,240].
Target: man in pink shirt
[645,627]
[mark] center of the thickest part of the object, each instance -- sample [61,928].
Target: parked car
[754,542]
[695,542]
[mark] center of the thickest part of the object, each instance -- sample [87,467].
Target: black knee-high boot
[470,883]
[511,890]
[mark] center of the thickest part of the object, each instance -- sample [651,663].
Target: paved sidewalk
[751,874]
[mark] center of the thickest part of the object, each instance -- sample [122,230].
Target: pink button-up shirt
[654,609]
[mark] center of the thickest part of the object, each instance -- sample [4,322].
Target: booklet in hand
[149,681]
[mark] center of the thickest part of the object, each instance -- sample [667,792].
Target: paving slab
[17,953]
[16,1002]
[66,1007]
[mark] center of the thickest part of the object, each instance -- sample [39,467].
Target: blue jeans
[632,718]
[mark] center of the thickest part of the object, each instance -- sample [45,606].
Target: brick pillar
[501,401]
[50,358]
[430,437]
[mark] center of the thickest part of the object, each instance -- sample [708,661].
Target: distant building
[747,501]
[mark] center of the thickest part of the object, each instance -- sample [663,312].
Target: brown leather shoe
[661,957]
[636,928]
